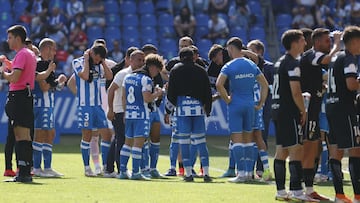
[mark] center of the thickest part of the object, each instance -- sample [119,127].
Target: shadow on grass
[10,181]
[217,145]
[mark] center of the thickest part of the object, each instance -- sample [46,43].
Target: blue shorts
[258,120]
[137,128]
[190,124]
[44,118]
[154,117]
[91,117]
[323,122]
[241,118]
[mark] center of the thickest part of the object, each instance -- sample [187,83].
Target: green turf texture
[75,187]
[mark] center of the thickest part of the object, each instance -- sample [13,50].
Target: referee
[19,106]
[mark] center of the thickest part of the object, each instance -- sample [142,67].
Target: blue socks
[47,153]
[85,152]
[124,157]
[37,154]
[154,153]
[105,147]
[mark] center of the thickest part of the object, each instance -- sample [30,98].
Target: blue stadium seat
[224,17]
[111,6]
[255,7]
[204,46]
[260,21]
[168,45]
[6,18]
[148,20]
[128,7]
[166,32]
[3,35]
[5,6]
[130,32]
[94,32]
[111,34]
[257,33]
[19,6]
[129,42]
[239,32]
[145,7]
[149,41]
[201,31]
[148,32]
[283,20]
[281,31]
[202,19]
[113,19]
[130,20]
[165,19]
[162,5]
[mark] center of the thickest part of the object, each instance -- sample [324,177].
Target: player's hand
[110,115]
[302,118]
[167,118]
[215,96]
[87,54]
[2,58]
[166,85]
[258,107]
[62,78]
[337,37]
[227,99]
[52,66]
[158,90]
[6,63]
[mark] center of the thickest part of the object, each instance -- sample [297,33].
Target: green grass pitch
[75,187]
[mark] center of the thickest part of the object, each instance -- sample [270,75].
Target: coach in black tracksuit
[189,79]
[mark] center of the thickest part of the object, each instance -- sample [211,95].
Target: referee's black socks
[24,156]
[335,166]
[354,168]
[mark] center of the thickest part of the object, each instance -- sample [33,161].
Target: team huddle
[309,93]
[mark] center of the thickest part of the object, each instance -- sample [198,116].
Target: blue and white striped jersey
[43,99]
[135,84]
[188,106]
[88,93]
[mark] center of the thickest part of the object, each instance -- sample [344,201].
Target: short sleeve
[146,84]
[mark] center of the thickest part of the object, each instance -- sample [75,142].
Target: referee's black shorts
[19,108]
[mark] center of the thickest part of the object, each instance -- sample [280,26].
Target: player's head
[351,38]
[137,58]
[307,34]
[196,51]
[16,36]
[293,39]
[256,46]
[216,54]
[149,49]
[99,42]
[47,48]
[321,40]
[127,55]
[186,54]
[234,46]
[154,63]
[98,53]
[185,42]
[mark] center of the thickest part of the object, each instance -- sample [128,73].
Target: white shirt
[118,106]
